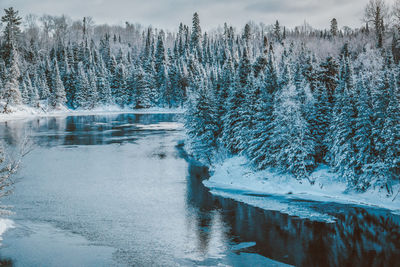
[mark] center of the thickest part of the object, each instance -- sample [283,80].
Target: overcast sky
[168,13]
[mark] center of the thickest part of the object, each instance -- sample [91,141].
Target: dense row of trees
[66,68]
[293,108]
[290,99]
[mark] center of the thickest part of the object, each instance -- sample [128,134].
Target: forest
[290,99]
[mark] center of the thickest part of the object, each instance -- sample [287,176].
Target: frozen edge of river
[5,224]
[26,113]
[234,178]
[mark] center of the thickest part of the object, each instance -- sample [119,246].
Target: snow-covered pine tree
[11,93]
[383,168]
[236,100]
[32,96]
[200,123]
[92,95]
[175,91]
[391,135]
[119,85]
[195,41]
[161,72]
[293,146]
[143,89]
[24,93]
[150,81]
[11,32]
[328,77]
[260,144]
[247,122]
[40,83]
[320,120]
[82,88]
[340,139]
[103,84]
[363,140]
[58,98]
[277,32]
[261,61]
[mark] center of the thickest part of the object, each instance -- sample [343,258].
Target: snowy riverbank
[24,112]
[236,175]
[5,224]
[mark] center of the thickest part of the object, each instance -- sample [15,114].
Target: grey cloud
[168,13]
[289,6]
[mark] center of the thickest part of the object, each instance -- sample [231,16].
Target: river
[118,190]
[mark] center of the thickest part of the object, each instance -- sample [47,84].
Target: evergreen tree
[161,71]
[24,93]
[200,123]
[119,86]
[292,143]
[391,135]
[364,143]
[236,100]
[143,89]
[320,121]
[82,88]
[260,144]
[103,85]
[195,41]
[58,97]
[277,32]
[11,32]
[341,150]
[232,117]
[247,35]
[11,93]
[32,92]
[334,27]
[261,61]
[328,77]
[92,94]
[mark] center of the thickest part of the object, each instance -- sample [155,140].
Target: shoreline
[30,113]
[236,176]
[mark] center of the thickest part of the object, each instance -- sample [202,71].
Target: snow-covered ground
[5,224]
[25,112]
[236,175]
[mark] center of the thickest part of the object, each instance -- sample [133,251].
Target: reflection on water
[121,183]
[359,237]
[86,130]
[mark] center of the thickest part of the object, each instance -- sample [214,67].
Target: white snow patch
[243,245]
[236,174]
[161,126]
[5,224]
[25,112]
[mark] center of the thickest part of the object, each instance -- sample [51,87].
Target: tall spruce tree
[11,93]
[11,32]
[58,97]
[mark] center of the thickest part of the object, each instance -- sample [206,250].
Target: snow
[243,245]
[25,112]
[166,126]
[5,224]
[234,178]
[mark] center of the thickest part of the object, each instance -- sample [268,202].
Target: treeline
[293,109]
[289,99]
[55,68]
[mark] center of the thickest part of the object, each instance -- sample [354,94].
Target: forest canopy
[290,99]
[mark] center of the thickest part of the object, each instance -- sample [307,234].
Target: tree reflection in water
[359,237]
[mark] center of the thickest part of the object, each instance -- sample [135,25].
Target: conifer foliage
[287,99]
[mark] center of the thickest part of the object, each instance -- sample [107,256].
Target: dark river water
[118,190]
